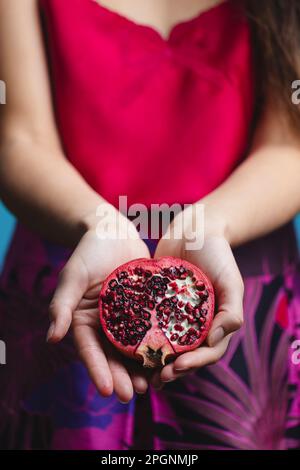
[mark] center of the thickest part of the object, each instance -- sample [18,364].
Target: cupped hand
[216,259]
[75,303]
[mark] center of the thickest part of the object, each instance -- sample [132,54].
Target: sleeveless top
[158,120]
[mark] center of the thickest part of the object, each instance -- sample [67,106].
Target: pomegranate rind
[159,341]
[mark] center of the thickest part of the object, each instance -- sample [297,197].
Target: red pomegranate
[152,310]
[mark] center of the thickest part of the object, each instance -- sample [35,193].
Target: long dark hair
[276,34]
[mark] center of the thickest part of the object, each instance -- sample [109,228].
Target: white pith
[188,294]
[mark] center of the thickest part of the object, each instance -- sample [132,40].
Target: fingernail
[50,332]
[216,336]
[167,381]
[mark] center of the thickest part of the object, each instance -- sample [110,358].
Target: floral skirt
[250,399]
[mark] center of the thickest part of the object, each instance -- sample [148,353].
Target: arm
[261,194]
[43,189]
[34,172]
[264,191]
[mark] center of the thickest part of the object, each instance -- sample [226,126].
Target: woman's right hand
[75,303]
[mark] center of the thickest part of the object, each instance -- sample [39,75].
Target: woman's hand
[217,261]
[75,303]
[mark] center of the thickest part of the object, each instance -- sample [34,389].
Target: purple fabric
[249,400]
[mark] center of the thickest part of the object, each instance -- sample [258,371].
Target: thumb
[72,284]
[230,312]
[225,323]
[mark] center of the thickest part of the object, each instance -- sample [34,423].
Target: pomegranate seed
[188,308]
[183,339]
[203,295]
[178,327]
[192,331]
[123,274]
[138,271]
[133,341]
[113,283]
[173,286]
[192,339]
[200,286]
[132,293]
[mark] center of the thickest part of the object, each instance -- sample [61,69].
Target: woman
[162,102]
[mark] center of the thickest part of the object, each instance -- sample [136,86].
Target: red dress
[160,121]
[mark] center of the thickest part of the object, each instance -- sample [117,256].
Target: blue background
[7,224]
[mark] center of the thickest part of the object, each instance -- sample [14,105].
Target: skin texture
[34,174]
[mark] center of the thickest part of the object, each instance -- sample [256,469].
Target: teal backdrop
[7,225]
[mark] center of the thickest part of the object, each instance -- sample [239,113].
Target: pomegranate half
[152,310]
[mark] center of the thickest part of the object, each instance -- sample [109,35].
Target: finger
[230,316]
[139,383]
[87,304]
[92,354]
[200,357]
[156,380]
[224,324]
[93,292]
[122,382]
[139,379]
[70,290]
[169,373]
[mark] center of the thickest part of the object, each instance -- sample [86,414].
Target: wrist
[214,222]
[107,222]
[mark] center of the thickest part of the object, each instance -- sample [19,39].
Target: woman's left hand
[216,259]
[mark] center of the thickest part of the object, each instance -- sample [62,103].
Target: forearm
[261,195]
[45,191]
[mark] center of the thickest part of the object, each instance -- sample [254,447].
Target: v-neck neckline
[152,29]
